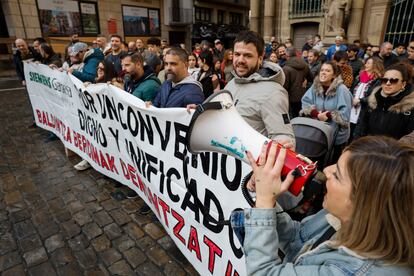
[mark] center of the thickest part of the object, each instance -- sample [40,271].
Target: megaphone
[216,126]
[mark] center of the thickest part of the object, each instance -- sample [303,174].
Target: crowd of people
[358,90]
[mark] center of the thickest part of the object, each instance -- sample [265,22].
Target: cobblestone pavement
[57,221]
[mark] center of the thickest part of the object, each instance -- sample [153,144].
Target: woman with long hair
[207,77]
[390,109]
[49,57]
[227,66]
[365,83]
[366,225]
[193,65]
[329,100]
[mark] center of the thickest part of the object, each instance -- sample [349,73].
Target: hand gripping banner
[145,149]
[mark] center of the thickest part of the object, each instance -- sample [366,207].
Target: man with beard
[140,80]
[281,54]
[74,38]
[386,55]
[258,89]
[410,53]
[179,89]
[114,56]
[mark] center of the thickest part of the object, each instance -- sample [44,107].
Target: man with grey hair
[338,46]
[386,55]
[24,52]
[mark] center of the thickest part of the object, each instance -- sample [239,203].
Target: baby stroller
[314,139]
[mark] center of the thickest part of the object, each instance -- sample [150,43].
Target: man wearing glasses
[90,58]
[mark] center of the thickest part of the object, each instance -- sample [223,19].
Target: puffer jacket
[263,102]
[296,72]
[90,60]
[337,99]
[389,116]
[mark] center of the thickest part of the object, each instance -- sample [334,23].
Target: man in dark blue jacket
[180,89]
[90,58]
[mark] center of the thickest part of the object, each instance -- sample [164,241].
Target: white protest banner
[144,148]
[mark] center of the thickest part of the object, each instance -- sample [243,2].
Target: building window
[400,22]
[220,16]
[306,8]
[235,18]
[202,14]
[61,18]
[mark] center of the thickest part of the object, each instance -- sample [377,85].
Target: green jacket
[146,88]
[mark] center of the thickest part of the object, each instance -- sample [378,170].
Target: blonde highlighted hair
[382,174]
[377,67]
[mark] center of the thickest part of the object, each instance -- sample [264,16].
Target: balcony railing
[180,16]
[241,3]
[306,8]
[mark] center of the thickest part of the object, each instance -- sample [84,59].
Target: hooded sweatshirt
[90,60]
[296,71]
[187,91]
[263,102]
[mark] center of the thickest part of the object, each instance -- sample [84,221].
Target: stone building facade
[179,20]
[367,20]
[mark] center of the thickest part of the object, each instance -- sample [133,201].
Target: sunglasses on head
[391,80]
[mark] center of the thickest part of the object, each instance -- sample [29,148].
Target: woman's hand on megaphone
[267,173]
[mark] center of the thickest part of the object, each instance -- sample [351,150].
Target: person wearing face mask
[329,100]
[364,228]
[257,88]
[390,109]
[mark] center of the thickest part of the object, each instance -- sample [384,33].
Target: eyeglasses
[391,80]
[101,68]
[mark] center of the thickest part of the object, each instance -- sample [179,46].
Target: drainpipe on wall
[21,16]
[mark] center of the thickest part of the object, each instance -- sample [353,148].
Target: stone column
[354,28]
[255,15]
[269,14]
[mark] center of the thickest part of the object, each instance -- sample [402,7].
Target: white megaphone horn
[217,126]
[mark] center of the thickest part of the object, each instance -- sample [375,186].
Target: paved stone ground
[57,221]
